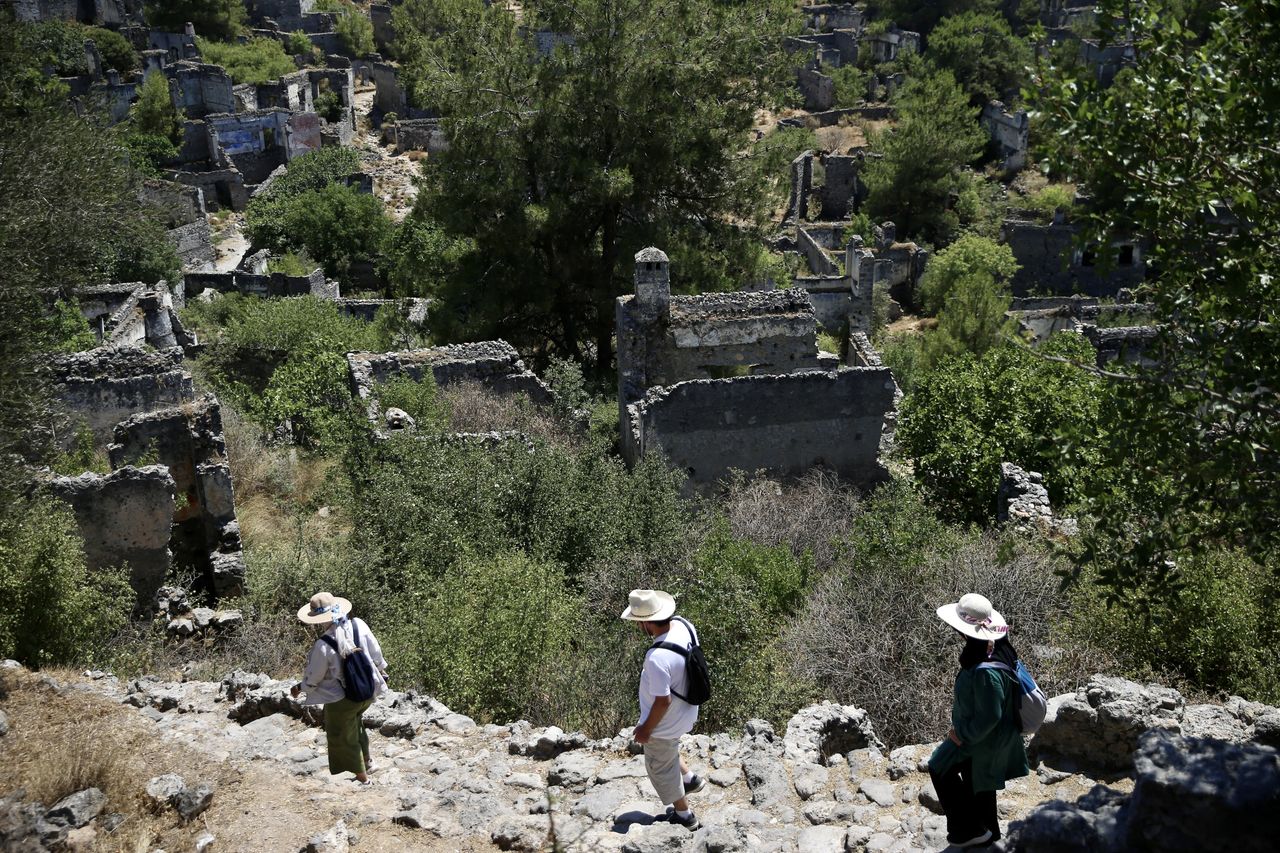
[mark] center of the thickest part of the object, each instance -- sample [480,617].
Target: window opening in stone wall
[1126,256]
[1089,258]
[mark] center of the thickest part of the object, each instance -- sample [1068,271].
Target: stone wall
[384,35]
[124,517]
[818,89]
[783,424]
[1009,133]
[103,386]
[194,244]
[493,364]
[1050,259]
[200,90]
[1125,344]
[801,187]
[842,191]
[176,204]
[188,441]
[265,284]
[420,134]
[820,263]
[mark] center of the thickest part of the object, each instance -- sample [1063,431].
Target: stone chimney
[653,282]
[189,30]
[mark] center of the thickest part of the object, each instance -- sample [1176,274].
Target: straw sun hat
[974,617]
[324,607]
[649,605]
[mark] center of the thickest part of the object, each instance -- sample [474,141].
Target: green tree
[988,60]
[356,31]
[53,609]
[1008,405]
[968,254]
[114,48]
[65,191]
[923,15]
[258,60]
[562,165]
[338,226]
[1183,150]
[920,168]
[154,113]
[972,320]
[214,19]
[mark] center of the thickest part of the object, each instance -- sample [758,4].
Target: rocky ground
[393,174]
[442,782]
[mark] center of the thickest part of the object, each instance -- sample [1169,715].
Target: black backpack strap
[680,650]
[355,634]
[330,642]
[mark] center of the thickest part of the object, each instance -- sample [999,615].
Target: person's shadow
[624,821]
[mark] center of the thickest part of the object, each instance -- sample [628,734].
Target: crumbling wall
[384,35]
[188,440]
[783,424]
[420,134]
[413,309]
[818,89]
[124,517]
[266,285]
[194,244]
[823,17]
[820,263]
[493,364]
[1125,344]
[1050,259]
[1009,133]
[801,187]
[200,89]
[101,387]
[842,190]
[831,298]
[174,203]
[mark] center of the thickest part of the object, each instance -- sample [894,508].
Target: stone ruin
[168,500]
[1050,258]
[493,365]
[729,381]
[1009,133]
[134,314]
[1040,317]
[1023,501]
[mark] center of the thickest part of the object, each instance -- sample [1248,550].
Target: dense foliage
[213,19]
[1008,405]
[565,160]
[1183,150]
[988,60]
[258,60]
[937,134]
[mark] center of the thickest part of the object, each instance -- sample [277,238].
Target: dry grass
[838,139]
[63,741]
[811,514]
[472,408]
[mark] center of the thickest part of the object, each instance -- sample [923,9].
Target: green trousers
[344,732]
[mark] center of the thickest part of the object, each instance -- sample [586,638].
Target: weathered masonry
[735,381]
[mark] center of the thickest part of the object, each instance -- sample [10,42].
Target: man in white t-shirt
[664,716]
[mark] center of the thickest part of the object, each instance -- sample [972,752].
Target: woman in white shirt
[322,680]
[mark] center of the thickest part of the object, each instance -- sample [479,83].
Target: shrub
[256,61]
[298,44]
[310,393]
[329,106]
[973,319]
[55,610]
[217,19]
[1050,199]
[1009,405]
[869,635]
[290,264]
[1219,632]
[967,255]
[71,332]
[419,399]
[850,83]
[485,637]
[114,48]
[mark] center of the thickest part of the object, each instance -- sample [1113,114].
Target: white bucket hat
[324,607]
[649,605]
[974,617]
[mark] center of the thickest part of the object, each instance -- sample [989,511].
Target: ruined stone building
[843,272]
[168,500]
[1009,133]
[492,365]
[101,12]
[735,381]
[1052,262]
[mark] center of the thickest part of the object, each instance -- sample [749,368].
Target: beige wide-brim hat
[324,607]
[649,605]
[974,617]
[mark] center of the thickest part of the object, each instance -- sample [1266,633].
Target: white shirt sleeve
[317,667]
[656,676]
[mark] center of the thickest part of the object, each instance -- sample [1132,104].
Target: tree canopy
[1184,150]
[987,59]
[936,136]
[214,19]
[578,136]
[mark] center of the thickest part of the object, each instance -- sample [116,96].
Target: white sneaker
[976,841]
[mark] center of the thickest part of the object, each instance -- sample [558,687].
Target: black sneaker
[694,785]
[690,823]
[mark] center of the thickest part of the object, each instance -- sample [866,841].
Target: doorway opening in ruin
[1125,258]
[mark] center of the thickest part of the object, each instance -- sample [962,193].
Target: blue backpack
[1032,704]
[358,682]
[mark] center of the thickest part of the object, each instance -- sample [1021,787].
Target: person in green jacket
[984,747]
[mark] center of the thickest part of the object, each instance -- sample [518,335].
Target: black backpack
[358,682]
[697,674]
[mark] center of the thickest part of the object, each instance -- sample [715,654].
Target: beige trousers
[662,763]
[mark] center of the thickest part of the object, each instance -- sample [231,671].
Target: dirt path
[393,174]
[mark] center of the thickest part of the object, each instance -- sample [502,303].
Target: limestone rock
[822,730]
[821,839]
[77,809]
[163,790]
[879,792]
[336,839]
[193,801]
[545,744]
[1099,726]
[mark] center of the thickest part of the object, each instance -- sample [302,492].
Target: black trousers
[969,813]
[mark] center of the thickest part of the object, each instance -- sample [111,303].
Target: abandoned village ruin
[783,377]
